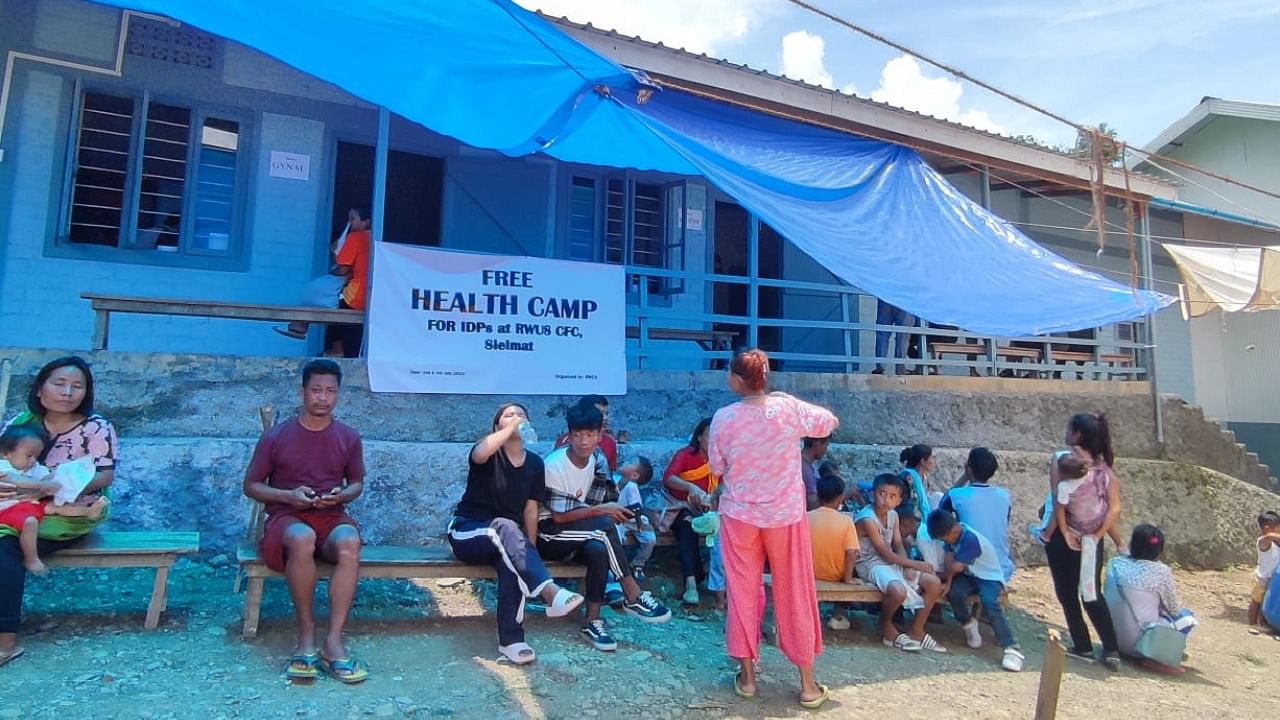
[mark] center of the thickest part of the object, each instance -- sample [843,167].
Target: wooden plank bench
[706,339]
[159,550]
[859,591]
[973,351]
[104,305]
[1062,357]
[376,561]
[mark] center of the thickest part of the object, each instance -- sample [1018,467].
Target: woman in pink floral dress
[755,449]
[60,404]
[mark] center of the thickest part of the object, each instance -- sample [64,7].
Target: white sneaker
[972,634]
[838,622]
[1012,660]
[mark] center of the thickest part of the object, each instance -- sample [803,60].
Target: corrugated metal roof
[1203,114]
[847,97]
[783,78]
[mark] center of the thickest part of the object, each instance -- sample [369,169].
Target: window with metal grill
[102,169]
[154,176]
[626,222]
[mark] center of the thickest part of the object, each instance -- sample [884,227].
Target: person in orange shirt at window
[350,272]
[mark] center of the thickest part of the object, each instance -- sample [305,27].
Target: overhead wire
[1096,136]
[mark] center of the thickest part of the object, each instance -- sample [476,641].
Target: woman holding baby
[60,405]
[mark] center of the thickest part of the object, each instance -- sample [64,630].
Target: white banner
[443,322]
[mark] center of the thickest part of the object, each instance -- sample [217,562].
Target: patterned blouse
[755,449]
[1150,575]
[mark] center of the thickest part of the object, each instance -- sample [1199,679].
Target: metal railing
[1056,355]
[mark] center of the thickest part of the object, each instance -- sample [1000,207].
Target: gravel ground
[431,647]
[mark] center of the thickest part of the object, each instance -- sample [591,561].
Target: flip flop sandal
[903,642]
[346,670]
[928,643]
[737,687]
[819,701]
[14,654]
[564,603]
[1254,631]
[303,666]
[518,653]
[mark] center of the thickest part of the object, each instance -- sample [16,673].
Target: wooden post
[159,597]
[252,606]
[101,329]
[1055,656]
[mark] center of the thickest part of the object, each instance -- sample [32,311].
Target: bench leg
[252,605]
[101,329]
[159,598]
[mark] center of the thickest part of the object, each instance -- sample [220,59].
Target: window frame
[126,250]
[672,248]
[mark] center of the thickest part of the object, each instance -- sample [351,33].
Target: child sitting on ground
[834,539]
[972,567]
[905,583]
[632,475]
[1268,544]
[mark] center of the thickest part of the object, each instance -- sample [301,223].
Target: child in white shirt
[1268,546]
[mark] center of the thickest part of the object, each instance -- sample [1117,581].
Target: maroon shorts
[14,516]
[322,522]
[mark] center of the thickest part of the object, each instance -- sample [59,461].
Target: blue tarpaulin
[495,76]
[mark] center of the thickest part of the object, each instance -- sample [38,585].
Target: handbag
[1156,641]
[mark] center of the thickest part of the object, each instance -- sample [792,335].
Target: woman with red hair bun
[754,447]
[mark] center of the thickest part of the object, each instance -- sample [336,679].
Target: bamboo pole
[1055,656]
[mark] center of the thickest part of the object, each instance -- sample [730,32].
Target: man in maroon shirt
[305,470]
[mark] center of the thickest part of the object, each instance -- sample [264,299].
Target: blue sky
[1137,65]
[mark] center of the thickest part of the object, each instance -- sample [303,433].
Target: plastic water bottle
[527,434]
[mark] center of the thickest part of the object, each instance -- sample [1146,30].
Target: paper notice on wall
[290,166]
[693,220]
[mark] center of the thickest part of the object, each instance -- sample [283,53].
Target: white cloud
[904,84]
[803,57]
[700,26]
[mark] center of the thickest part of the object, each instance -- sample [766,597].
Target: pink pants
[745,548]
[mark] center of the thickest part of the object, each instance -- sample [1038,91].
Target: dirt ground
[432,651]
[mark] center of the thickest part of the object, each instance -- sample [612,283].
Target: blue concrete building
[143,157]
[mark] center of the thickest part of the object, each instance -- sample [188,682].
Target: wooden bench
[706,339]
[973,351]
[859,591]
[159,550]
[104,305]
[376,561]
[1114,360]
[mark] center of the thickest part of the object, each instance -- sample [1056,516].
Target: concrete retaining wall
[412,488]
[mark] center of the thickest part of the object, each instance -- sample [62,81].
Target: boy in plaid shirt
[577,522]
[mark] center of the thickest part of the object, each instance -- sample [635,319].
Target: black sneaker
[614,598]
[1082,655]
[638,573]
[598,635]
[648,609]
[1111,661]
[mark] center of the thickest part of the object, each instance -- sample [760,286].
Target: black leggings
[1064,565]
[13,578]
[689,546]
